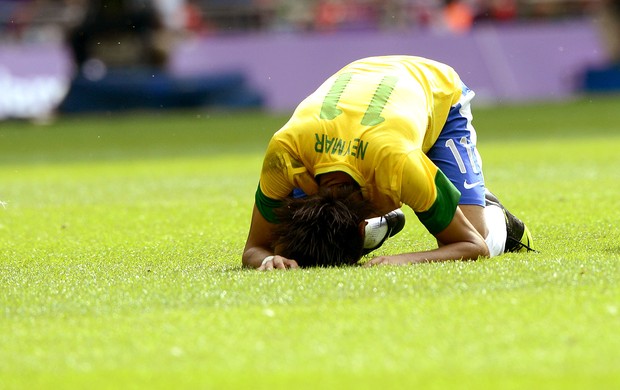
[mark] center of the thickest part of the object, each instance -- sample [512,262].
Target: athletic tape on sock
[496,225]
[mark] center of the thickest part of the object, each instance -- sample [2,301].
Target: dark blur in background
[65,56]
[27,20]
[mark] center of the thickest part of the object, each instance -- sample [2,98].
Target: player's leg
[455,153]
[476,216]
[518,237]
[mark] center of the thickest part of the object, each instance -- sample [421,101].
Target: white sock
[375,231]
[496,225]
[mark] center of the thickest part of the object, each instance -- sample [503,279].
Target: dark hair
[323,229]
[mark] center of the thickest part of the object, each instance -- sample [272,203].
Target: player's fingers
[376,261]
[279,262]
[267,266]
[292,264]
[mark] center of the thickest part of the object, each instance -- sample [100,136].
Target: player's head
[323,229]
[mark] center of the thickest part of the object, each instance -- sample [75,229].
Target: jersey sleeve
[266,205]
[280,175]
[428,192]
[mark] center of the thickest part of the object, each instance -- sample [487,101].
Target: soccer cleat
[522,245]
[519,238]
[379,229]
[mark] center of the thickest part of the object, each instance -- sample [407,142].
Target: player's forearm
[466,250]
[454,251]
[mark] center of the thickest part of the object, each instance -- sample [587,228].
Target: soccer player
[380,133]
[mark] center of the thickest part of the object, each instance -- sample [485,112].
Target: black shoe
[381,228]
[519,238]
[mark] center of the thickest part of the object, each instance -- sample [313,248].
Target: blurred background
[59,57]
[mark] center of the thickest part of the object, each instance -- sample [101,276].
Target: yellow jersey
[374,119]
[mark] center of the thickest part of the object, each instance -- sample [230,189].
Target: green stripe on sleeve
[440,214]
[266,205]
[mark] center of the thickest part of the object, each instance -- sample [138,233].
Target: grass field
[120,248]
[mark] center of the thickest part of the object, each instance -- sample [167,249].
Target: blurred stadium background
[67,56]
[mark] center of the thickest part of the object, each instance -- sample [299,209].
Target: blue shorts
[455,152]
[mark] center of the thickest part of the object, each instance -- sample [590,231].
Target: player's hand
[278,262]
[388,260]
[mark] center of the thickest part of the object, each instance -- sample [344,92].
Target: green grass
[121,239]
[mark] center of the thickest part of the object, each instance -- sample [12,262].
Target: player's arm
[275,177]
[458,241]
[259,246]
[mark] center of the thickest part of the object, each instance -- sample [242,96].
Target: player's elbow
[479,249]
[252,256]
[473,249]
[246,260]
